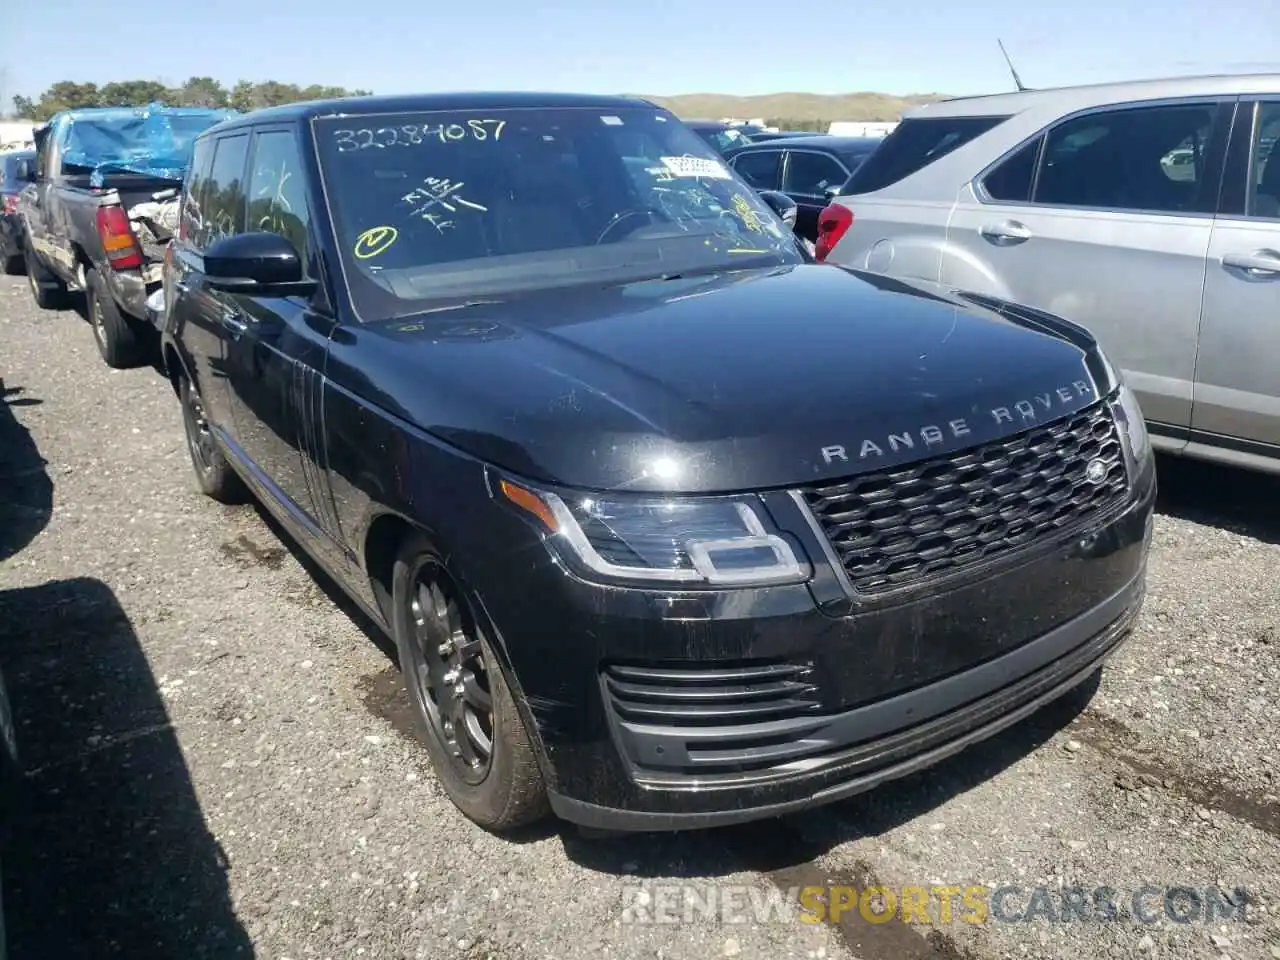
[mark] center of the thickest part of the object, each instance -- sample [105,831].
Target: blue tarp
[154,140]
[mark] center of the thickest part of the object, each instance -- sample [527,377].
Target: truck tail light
[833,223]
[10,203]
[118,241]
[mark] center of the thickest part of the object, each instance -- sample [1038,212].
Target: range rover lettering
[672,525]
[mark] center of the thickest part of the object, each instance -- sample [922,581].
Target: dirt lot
[218,766]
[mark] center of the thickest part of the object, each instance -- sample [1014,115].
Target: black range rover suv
[672,525]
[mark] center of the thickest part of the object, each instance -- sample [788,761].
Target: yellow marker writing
[750,219]
[374,241]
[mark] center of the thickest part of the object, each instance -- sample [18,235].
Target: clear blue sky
[654,47]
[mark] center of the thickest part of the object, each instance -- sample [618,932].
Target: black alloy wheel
[200,441]
[467,714]
[213,473]
[450,673]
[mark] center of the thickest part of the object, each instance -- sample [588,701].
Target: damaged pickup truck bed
[101,210]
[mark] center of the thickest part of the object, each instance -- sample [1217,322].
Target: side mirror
[264,263]
[832,192]
[782,205]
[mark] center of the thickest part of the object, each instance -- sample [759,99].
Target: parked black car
[672,525]
[811,170]
[17,167]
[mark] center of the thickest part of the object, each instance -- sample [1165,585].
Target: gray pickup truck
[101,209]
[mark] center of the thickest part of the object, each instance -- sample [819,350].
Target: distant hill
[794,106]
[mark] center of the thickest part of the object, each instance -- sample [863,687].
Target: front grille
[937,517]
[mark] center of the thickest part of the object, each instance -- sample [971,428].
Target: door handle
[234,325]
[1005,234]
[1259,265]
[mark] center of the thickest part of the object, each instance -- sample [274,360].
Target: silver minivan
[1148,212]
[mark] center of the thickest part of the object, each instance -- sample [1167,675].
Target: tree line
[195,92]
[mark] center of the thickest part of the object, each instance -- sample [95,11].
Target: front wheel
[466,713]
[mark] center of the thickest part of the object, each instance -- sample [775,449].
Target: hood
[726,382]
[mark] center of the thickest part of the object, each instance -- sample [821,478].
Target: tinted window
[277,189]
[762,169]
[1011,179]
[913,145]
[1266,163]
[197,176]
[222,195]
[431,206]
[1152,158]
[812,173]
[854,160]
[15,169]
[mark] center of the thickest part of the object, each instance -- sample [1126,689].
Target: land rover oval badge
[1096,471]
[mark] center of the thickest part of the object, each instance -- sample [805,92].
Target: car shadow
[26,491]
[109,855]
[1230,498]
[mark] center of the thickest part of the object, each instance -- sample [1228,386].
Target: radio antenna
[1017,80]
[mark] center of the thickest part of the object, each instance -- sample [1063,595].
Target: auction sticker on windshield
[696,167]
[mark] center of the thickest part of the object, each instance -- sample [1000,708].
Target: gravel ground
[218,761]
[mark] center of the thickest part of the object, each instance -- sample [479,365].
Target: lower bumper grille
[734,752]
[928,519]
[682,696]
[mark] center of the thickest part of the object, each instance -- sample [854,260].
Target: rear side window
[1011,180]
[1148,158]
[222,198]
[913,145]
[762,170]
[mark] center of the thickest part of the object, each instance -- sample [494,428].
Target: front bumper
[818,706]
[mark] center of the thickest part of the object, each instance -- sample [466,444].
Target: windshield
[723,139]
[442,205]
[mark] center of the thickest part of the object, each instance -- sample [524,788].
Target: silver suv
[1149,212]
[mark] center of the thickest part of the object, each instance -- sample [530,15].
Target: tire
[507,791]
[48,291]
[121,340]
[214,474]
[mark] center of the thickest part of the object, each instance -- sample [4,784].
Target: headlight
[1132,423]
[674,540]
